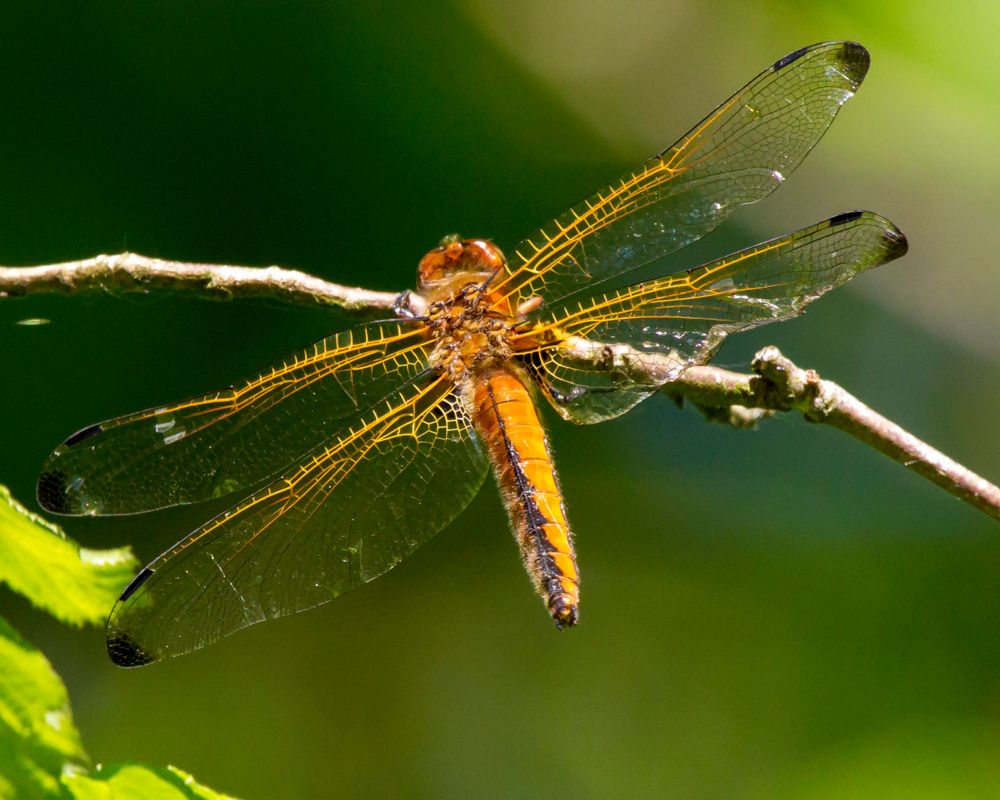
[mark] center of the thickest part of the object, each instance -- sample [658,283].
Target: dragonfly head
[456,261]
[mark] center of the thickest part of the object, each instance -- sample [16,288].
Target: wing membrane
[605,351]
[230,440]
[737,155]
[345,514]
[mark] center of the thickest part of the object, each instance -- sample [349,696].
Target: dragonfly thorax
[468,334]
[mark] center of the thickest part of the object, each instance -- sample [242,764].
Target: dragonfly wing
[214,444]
[739,154]
[603,355]
[343,515]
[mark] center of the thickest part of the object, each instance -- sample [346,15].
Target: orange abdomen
[506,418]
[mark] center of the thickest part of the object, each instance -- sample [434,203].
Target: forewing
[231,440]
[345,514]
[737,155]
[613,350]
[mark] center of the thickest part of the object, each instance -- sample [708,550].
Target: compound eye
[488,256]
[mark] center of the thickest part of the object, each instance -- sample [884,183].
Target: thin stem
[780,385]
[736,399]
[131,272]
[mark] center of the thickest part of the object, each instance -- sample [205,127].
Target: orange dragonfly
[355,451]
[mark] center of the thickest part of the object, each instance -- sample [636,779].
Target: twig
[733,398]
[130,272]
[780,385]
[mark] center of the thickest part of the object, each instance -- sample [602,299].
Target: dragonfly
[353,452]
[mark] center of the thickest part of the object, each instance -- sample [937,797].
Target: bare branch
[780,385]
[130,272]
[732,398]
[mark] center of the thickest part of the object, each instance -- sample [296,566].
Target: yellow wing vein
[300,486]
[325,363]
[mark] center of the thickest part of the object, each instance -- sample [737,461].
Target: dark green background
[781,613]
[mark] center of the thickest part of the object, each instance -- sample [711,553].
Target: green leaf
[128,781]
[74,584]
[37,735]
[197,789]
[40,751]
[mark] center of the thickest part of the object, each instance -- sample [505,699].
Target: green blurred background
[776,614]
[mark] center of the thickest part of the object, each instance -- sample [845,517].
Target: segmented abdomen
[505,416]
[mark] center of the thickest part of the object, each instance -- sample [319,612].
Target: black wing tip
[125,652]
[82,435]
[896,244]
[122,647]
[855,57]
[50,491]
[53,487]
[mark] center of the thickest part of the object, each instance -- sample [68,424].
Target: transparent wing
[345,514]
[214,444]
[600,359]
[737,155]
